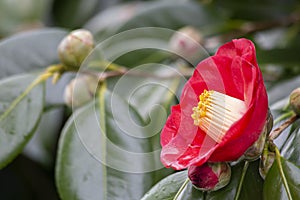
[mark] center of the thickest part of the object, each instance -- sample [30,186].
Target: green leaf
[17,126]
[145,45]
[157,14]
[291,147]
[152,106]
[80,10]
[273,186]
[152,98]
[167,188]
[29,51]
[43,143]
[283,89]
[33,51]
[136,47]
[161,14]
[279,99]
[78,174]
[148,94]
[111,19]
[251,187]
[111,162]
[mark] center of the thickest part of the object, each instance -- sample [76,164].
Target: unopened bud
[186,42]
[295,101]
[80,90]
[75,47]
[266,162]
[256,149]
[210,176]
[270,121]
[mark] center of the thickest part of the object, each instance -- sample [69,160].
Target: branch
[276,132]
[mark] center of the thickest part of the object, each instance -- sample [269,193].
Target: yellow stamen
[216,112]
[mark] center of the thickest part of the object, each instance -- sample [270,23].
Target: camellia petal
[222,110]
[239,48]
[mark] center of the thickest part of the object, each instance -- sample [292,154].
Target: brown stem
[252,27]
[276,132]
[259,26]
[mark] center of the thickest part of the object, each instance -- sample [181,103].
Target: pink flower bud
[210,176]
[186,43]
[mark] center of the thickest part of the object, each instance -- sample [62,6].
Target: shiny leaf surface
[17,126]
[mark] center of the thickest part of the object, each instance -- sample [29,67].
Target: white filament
[216,112]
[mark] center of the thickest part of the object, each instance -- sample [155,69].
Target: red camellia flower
[222,109]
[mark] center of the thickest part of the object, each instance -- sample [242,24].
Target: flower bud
[75,47]
[295,101]
[256,149]
[80,90]
[210,176]
[269,124]
[253,152]
[186,42]
[266,163]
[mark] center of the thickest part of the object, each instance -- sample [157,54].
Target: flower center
[216,112]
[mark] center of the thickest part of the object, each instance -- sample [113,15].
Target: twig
[245,168]
[260,26]
[252,27]
[276,132]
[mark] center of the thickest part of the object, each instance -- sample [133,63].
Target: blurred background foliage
[273,25]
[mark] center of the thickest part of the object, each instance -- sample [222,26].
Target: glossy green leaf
[156,14]
[161,14]
[145,45]
[111,162]
[273,186]
[111,19]
[291,147]
[282,90]
[17,126]
[41,146]
[152,98]
[78,174]
[146,93]
[167,188]
[31,51]
[279,99]
[251,187]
